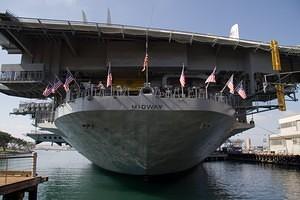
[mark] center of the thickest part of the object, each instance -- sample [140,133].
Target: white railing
[195,93]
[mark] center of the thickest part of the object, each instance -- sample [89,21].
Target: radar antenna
[84,18]
[108,19]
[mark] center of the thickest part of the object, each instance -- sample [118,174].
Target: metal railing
[34,106]
[193,92]
[44,117]
[21,76]
[17,166]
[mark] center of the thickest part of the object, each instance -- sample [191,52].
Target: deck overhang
[86,47]
[49,29]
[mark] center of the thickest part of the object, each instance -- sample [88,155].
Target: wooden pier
[14,183]
[216,156]
[280,159]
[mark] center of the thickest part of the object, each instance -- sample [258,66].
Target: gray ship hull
[145,135]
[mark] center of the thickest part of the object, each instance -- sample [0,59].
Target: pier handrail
[15,182]
[12,165]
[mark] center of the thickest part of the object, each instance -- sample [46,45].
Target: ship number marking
[204,125]
[146,107]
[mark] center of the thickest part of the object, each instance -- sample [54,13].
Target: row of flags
[212,79]
[52,88]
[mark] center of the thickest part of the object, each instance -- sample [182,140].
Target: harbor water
[71,176]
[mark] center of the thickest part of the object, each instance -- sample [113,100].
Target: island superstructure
[139,126]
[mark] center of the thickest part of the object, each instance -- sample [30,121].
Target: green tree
[19,144]
[5,139]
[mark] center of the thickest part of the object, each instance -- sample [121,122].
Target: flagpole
[231,77]
[59,93]
[224,88]
[74,79]
[211,78]
[147,61]
[57,88]
[206,95]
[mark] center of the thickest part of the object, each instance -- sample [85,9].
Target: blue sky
[257,19]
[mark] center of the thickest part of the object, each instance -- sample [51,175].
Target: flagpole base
[147,84]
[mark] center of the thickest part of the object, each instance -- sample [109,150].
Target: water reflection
[73,177]
[188,185]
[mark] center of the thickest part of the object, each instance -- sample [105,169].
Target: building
[288,140]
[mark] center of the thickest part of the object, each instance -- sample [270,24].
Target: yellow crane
[277,68]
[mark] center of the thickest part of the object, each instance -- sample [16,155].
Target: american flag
[56,85]
[146,62]
[212,77]
[240,90]
[47,91]
[69,79]
[182,77]
[230,84]
[109,77]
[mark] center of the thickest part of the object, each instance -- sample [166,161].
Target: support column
[33,193]
[14,196]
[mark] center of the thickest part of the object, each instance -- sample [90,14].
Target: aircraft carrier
[141,126]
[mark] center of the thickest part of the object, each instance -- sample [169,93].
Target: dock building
[288,140]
